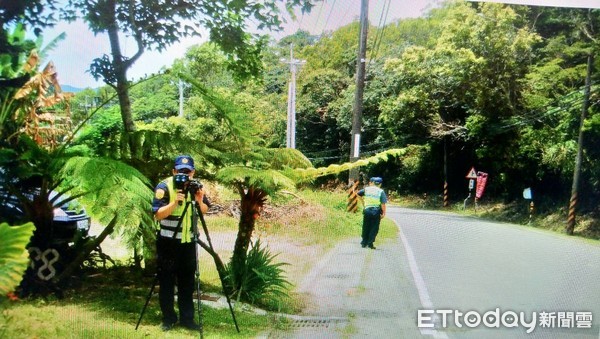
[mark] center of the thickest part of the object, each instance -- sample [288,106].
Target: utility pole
[577,171]
[291,110]
[360,88]
[180,85]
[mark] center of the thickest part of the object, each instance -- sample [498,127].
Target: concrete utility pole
[577,171]
[291,111]
[181,86]
[360,88]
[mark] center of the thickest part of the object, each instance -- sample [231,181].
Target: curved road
[445,264]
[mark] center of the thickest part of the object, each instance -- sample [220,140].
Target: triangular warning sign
[472,174]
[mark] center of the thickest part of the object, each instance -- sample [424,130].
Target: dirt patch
[112,245]
[299,256]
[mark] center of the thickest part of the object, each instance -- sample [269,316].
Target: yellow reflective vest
[168,225]
[372,197]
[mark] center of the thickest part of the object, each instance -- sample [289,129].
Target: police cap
[376,180]
[184,162]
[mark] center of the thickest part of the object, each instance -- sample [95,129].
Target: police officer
[373,199]
[175,246]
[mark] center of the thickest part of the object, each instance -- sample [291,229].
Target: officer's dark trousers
[176,264]
[371,220]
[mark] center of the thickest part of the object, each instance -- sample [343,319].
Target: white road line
[420,284]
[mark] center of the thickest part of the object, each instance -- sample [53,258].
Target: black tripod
[210,246]
[196,214]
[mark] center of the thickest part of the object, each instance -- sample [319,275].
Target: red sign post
[481,181]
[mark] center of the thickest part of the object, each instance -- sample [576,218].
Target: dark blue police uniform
[176,253]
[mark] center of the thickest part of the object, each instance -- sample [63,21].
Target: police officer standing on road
[373,199]
[175,246]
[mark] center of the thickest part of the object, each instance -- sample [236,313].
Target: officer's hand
[199,195]
[180,196]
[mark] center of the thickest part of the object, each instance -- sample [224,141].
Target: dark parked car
[70,219]
[51,248]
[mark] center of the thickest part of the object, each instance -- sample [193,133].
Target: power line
[328,17]
[300,22]
[341,18]
[381,29]
[573,102]
[314,155]
[319,14]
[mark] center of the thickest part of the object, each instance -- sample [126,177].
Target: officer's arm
[165,211]
[160,205]
[383,204]
[201,201]
[361,194]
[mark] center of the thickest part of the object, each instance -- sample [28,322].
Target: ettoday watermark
[497,318]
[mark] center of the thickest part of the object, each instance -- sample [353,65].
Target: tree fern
[113,190]
[308,174]
[281,158]
[267,180]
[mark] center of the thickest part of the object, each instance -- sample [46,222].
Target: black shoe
[191,326]
[166,326]
[371,246]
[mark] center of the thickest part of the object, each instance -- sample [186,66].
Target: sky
[553,3]
[73,55]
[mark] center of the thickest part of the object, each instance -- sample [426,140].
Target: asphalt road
[444,265]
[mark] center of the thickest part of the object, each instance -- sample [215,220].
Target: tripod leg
[147,301]
[205,228]
[231,309]
[199,291]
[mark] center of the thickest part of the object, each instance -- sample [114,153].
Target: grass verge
[107,304]
[546,215]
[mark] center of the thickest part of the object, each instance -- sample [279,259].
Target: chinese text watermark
[497,318]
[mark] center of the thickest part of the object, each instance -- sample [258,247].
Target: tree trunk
[252,201]
[89,247]
[120,72]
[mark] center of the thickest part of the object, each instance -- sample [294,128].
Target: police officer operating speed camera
[174,200]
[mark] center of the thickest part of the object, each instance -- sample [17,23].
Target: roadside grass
[546,216]
[107,302]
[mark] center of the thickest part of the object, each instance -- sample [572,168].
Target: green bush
[262,280]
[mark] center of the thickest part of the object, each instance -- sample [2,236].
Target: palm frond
[44,51]
[280,158]
[112,189]
[269,181]
[407,154]
[13,255]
